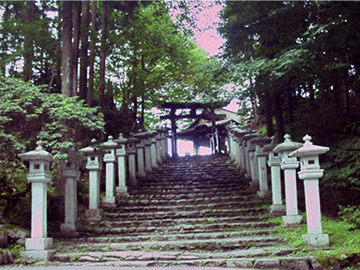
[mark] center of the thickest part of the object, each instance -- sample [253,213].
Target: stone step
[171,194]
[218,222]
[181,187]
[115,229]
[242,242]
[145,200]
[186,214]
[113,259]
[179,256]
[201,235]
[181,205]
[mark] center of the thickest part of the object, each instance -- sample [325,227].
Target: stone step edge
[223,226]
[190,220]
[304,263]
[236,212]
[179,255]
[167,237]
[181,203]
[261,240]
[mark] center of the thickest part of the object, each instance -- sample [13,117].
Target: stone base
[264,194]
[316,240]
[133,182]
[277,210]
[140,175]
[38,243]
[291,221]
[71,230]
[122,190]
[43,255]
[109,200]
[94,214]
[254,184]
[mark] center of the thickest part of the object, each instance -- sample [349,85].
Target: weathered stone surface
[296,264]
[199,206]
[16,234]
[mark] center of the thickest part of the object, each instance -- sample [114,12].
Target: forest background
[75,70]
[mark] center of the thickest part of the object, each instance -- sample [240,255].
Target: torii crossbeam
[174,106]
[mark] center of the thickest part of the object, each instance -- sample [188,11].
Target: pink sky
[209,39]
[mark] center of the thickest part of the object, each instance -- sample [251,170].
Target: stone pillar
[310,172]
[153,150]
[246,152]
[277,208]
[39,246]
[94,165]
[158,147]
[131,150]
[261,156]
[164,144]
[147,150]
[71,173]
[289,166]
[240,148]
[236,150]
[121,158]
[140,154]
[109,158]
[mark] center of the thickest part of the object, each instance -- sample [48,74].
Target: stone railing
[133,158]
[251,152]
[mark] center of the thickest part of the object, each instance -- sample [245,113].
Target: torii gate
[173,106]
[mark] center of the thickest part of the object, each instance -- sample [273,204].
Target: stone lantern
[145,143]
[131,150]
[121,155]
[247,150]
[158,146]
[109,158]
[261,156]
[39,246]
[70,171]
[274,160]
[239,148]
[310,172]
[140,147]
[289,166]
[94,165]
[153,151]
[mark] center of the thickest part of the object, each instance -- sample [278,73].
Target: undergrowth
[344,241]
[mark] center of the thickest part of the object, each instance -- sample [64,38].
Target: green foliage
[351,215]
[27,114]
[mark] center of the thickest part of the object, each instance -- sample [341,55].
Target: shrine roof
[195,105]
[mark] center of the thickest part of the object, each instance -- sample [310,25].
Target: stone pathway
[192,212]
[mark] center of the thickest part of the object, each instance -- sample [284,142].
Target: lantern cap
[89,149]
[309,149]
[270,147]
[38,154]
[109,144]
[287,145]
[143,134]
[260,140]
[121,139]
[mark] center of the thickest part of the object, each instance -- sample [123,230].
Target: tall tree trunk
[76,36]
[268,114]
[84,49]
[103,52]
[278,109]
[90,91]
[66,61]
[28,41]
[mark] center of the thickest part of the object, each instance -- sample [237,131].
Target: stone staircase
[193,211]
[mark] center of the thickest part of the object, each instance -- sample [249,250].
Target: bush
[27,114]
[351,215]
